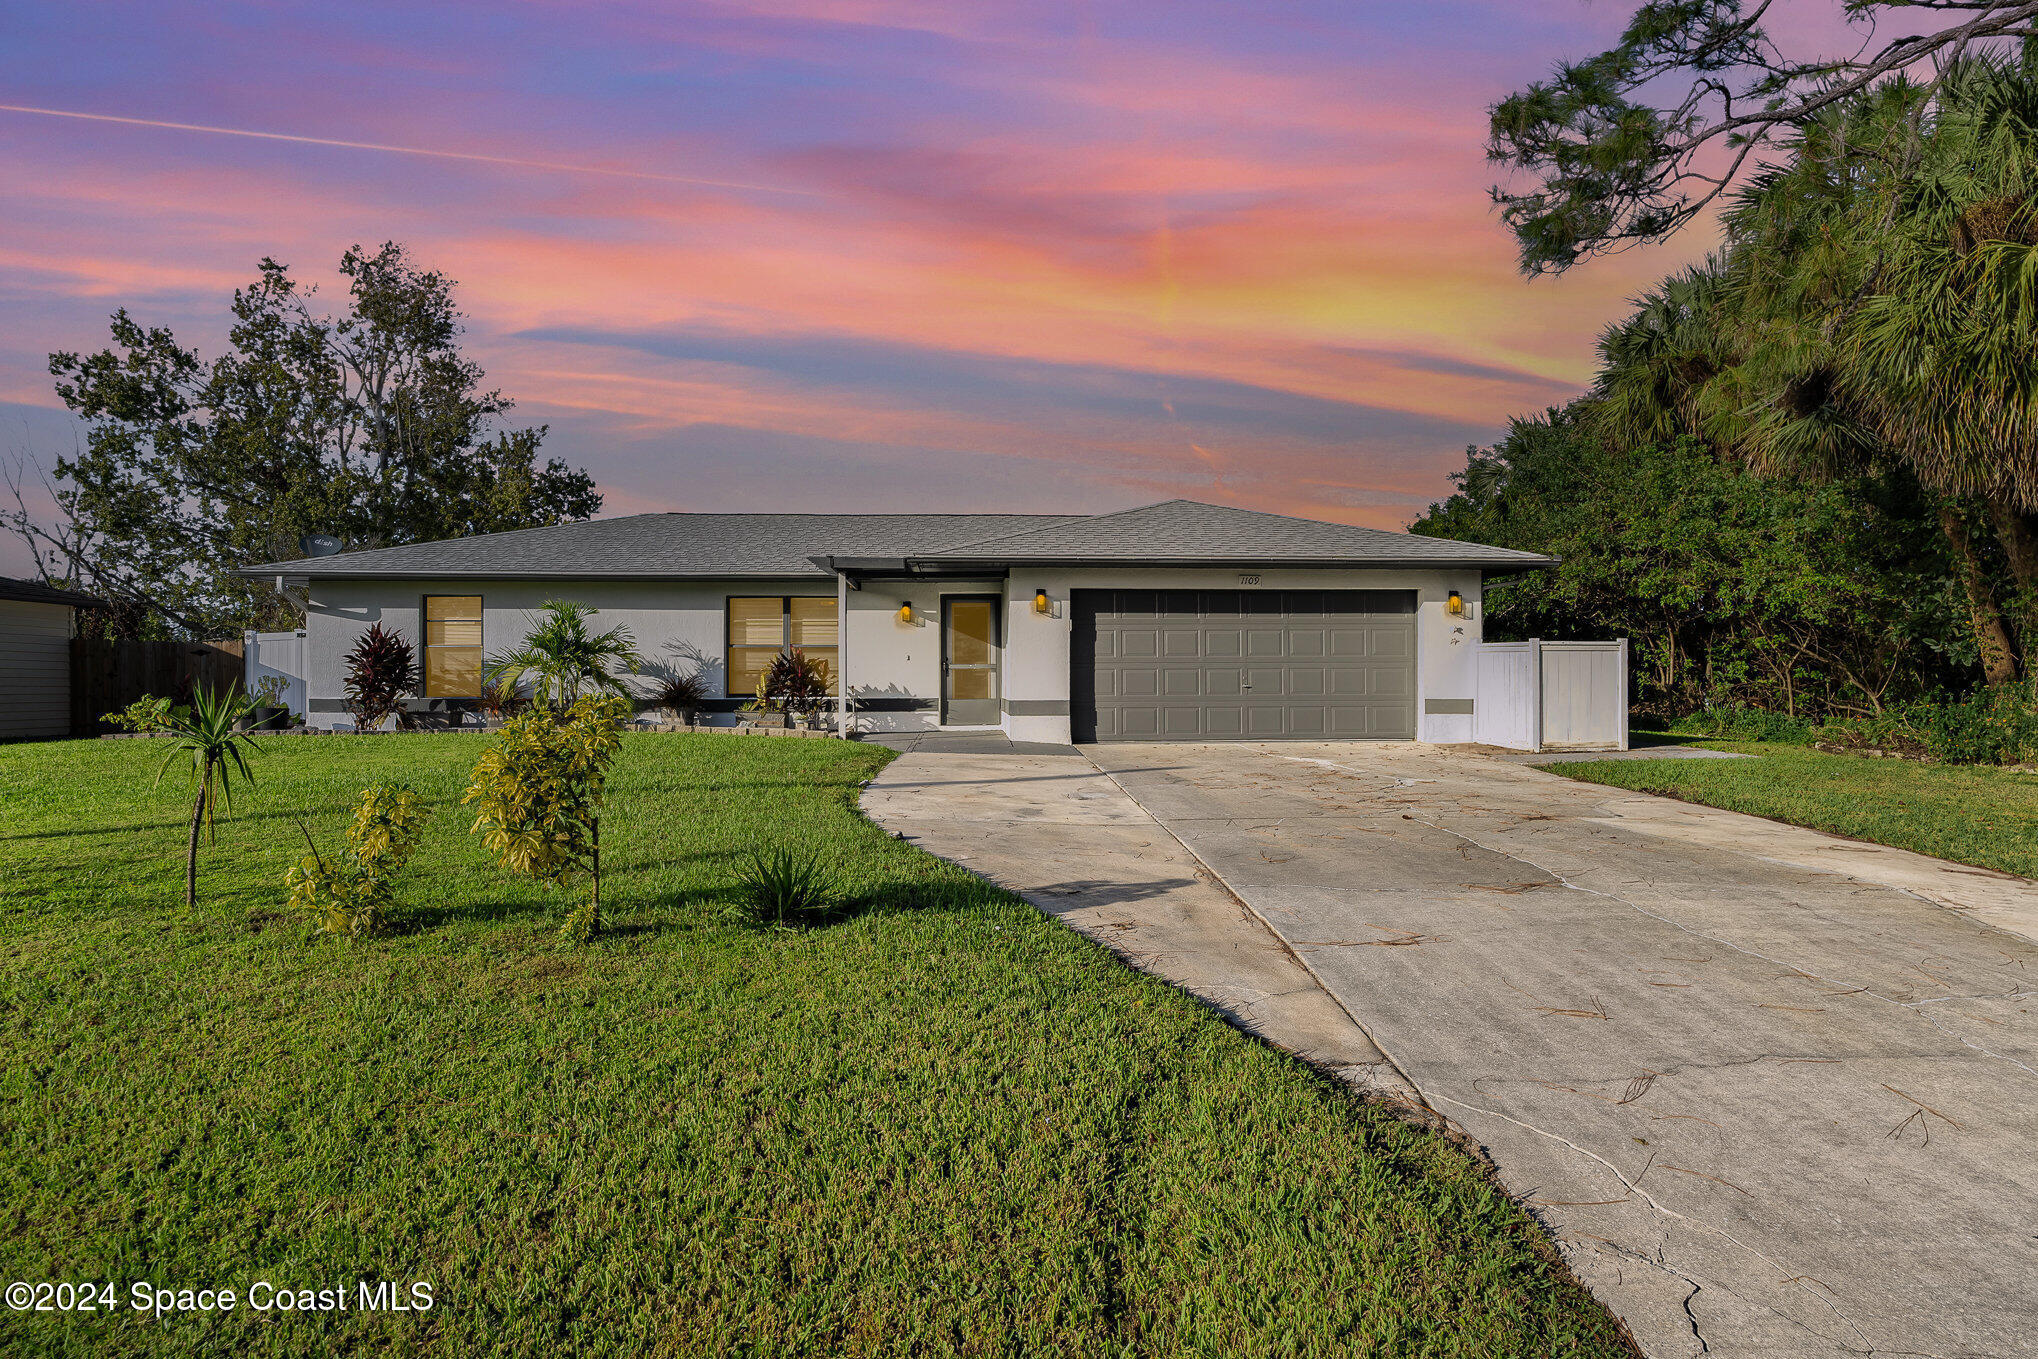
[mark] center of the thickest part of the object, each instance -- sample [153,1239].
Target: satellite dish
[320,544]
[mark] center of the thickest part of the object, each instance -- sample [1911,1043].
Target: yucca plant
[205,738]
[561,659]
[784,889]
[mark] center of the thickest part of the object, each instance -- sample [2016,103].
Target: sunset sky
[844,254]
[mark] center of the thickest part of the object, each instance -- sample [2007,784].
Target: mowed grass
[942,1125]
[1970,814]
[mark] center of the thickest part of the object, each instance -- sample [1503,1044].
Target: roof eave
[1525,563]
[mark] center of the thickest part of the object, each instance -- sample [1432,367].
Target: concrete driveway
[1773,1092]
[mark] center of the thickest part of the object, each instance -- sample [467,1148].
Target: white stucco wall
[894,668]
[671,620]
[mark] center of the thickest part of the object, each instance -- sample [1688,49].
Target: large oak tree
[369,425]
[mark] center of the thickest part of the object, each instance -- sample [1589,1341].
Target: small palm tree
[562,659]
[204,735]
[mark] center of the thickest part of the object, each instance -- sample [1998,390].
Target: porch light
[906,611]
[1455,605]
[1041,603]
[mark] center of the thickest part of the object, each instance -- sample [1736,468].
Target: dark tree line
[369,425]
[1821,445]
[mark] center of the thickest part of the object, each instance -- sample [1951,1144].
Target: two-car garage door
[1243,665]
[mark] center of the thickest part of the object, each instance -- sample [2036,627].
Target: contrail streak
[516,161]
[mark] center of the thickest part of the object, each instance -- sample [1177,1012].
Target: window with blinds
[452,646]
[762,626]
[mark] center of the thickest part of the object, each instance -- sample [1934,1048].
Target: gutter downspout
[842,654]
[301,601]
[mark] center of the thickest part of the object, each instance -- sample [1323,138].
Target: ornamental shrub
[352,894]
[146,714]
[1739,722]
[381,673]
[538,790]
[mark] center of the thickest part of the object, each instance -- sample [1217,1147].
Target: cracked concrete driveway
[1773,1092]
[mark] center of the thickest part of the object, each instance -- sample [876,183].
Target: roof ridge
[1108,514]
[1059,520]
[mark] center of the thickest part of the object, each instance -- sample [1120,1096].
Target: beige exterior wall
[35,670]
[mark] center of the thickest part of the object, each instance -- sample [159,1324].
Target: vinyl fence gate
[281,655]
[1538,695]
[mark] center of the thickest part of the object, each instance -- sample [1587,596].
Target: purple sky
[849,254]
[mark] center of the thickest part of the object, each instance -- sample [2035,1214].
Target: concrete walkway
[1774,1093]
[1059,833]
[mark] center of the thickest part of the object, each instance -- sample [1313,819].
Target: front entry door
[970,687]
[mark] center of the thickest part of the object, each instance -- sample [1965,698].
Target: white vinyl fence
[276,653]
[1538,695]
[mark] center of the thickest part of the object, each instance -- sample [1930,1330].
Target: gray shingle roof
[669,545]
[739,545]
[1176,531]
[35,592]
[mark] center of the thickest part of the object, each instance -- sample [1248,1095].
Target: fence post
[1624,693]
[1535,649]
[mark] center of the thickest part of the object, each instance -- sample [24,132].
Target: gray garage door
[1243,665]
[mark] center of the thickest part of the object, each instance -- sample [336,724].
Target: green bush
[538,791]
[1996,725]
[352,894]
[146,714]
[1738,722]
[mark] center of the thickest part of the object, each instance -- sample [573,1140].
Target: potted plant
[681,697]
[794,684]
[266,709]
[499,701]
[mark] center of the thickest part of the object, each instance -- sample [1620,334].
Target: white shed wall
[35,670]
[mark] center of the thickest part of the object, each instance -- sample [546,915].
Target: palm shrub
[216,754]
[562,659]
[352,893]
[381,673]
[538,792]
[784,889]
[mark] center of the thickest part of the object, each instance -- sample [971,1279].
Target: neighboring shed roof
[1187,531]
[35,592]
[669,545]
[682,546]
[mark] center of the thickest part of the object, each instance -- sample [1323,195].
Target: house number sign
[1248,580]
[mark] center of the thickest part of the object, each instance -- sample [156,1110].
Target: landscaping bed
[942,1124]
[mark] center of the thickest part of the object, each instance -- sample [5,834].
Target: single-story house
[1179,621]
[37,623]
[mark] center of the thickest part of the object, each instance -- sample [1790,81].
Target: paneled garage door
[1243,665]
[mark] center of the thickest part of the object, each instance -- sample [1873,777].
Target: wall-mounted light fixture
[1455,605]
[906,611]
[1041,603]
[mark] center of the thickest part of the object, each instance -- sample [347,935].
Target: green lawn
[1968,813]
[945,1124]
